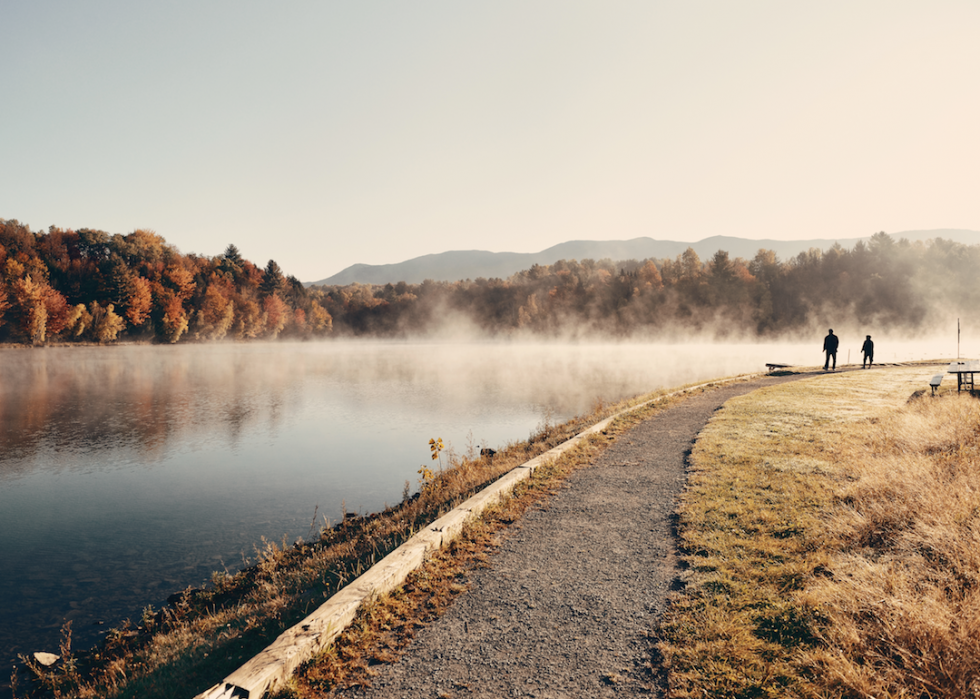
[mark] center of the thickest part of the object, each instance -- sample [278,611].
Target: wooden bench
[934,382]
[770,367]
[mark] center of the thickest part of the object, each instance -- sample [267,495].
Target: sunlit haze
[326,134]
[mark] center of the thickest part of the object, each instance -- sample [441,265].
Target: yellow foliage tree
[106,324]
[318,319]
[29,296]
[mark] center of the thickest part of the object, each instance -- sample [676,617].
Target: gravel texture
[567,605]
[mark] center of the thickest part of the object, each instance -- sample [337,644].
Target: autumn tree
[4,303]
[216,313]
[59,313]
[105,325]
[137,300]
[275,311]
[649,277]
[29,297]
[142,246]
[248,321]
[172,322]
[318,320]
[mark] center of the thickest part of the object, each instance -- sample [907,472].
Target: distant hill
[471,264]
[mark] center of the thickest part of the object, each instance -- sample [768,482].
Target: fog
[141,398]
[130,472]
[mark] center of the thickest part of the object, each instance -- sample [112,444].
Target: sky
[323,134]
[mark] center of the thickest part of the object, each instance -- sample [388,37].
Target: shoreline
[161,618]
[270,669]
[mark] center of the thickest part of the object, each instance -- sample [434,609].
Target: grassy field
[831,538]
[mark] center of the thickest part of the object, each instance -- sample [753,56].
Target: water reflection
[128,473]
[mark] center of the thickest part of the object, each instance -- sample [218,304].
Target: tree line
[88,285]
[883,284]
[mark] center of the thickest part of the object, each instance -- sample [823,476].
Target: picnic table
[964,370]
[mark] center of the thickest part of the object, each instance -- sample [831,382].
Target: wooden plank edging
[276,663]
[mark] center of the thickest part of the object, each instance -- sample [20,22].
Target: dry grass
[830,530]
[383,629]
[903,603]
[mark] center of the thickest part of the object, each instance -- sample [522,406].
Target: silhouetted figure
[830,347]
[868,349]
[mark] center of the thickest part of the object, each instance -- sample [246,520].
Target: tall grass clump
[902,598]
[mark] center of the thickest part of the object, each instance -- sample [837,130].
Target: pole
[957,339]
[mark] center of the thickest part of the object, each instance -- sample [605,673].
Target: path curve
[565,608]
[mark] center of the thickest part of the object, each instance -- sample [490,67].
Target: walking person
[868,349]
[830,347]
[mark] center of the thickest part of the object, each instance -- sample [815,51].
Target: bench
[934,382]
[770,367]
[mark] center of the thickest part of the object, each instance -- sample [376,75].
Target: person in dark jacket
[868,349]
[830,347]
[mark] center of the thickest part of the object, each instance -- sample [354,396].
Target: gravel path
[568,600]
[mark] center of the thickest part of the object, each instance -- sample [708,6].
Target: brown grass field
[831,531]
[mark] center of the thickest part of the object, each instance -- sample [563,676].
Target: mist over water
[129,473]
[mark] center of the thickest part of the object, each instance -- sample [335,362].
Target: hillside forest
[92,286]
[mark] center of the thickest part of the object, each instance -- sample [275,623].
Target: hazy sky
[321,134]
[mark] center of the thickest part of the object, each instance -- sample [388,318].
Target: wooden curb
[275,664]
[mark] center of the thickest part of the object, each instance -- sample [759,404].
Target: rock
[46,659]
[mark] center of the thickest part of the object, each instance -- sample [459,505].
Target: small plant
[59,679]
[426,476]
[148,618]
[436,446]
[220,580]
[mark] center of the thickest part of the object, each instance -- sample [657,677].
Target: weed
[62,677]
[436,446]
[426,476]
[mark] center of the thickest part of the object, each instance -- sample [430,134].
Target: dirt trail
[566,606]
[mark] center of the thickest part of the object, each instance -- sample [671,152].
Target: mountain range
[472,264]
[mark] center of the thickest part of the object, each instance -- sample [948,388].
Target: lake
[129,473]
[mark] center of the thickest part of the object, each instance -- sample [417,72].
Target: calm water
[129,473]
